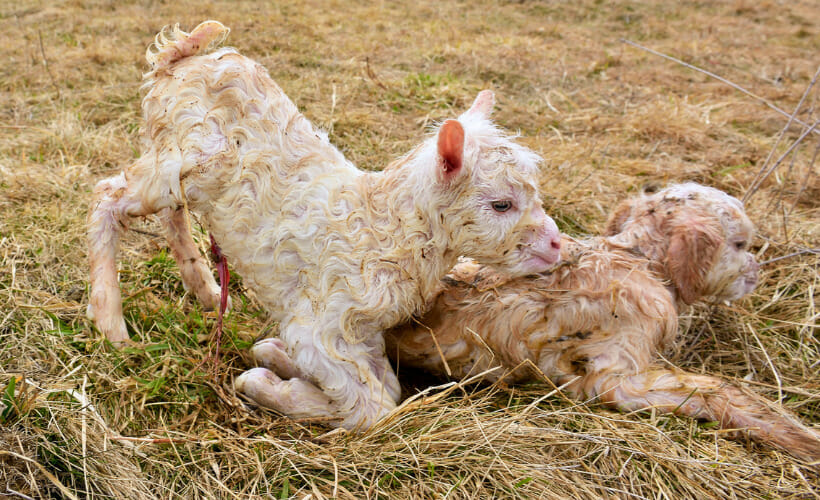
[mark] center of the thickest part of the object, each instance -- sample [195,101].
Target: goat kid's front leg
[193,266]
[708,398]
[296,398]
[354,386]
[272,353]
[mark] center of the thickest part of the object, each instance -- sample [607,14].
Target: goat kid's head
[484,194]
[701,234]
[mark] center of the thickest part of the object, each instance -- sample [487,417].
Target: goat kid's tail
[172,44]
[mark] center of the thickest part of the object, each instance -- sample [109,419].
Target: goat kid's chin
[539,262]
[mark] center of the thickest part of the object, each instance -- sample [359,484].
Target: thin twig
[719,78]
[783,132]
[146,233]
[785,224]
[755,186]
[778,201]
[809,171]
[372,74]
[84,433]
[45,61]
[815,251]
[438,347]
[151,440]
[10,491]
[573,188]
[769,362]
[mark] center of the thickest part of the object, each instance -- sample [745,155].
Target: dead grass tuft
[610,120]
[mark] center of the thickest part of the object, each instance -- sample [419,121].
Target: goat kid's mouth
[749,285]
[541,261]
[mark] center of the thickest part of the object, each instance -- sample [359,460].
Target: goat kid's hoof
[295,398]
[261,386]
[114,329]
[211,302]
[248,382]
[271,353]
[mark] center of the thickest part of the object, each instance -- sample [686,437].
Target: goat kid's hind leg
[193,266]
[357,377]
[115,201]
[709,398]
[295,397]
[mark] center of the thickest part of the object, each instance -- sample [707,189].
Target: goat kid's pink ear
[483,104]
[616,221]
[450,150]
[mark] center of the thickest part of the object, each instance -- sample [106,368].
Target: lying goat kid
[337,255]
[598,321]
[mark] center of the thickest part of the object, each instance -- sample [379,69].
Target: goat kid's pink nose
[548,240]
[549,230]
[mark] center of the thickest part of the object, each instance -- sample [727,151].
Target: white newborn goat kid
[335,254]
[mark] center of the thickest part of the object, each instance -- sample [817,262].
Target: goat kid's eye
[502,206]
[740,245]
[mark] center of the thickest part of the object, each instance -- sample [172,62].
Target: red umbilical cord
[224,278]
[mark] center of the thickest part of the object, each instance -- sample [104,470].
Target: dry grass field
[78,419]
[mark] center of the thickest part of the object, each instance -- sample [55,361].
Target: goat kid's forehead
[692,199]
[492,159]
[492,141]
[693,191]
[494,166]
[507,166]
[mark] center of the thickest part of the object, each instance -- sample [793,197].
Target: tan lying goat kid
[335,254]
[598,321]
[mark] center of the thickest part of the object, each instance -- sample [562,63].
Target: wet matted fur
[597,322]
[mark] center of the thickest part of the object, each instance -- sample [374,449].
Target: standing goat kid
[598,321]
[335,254]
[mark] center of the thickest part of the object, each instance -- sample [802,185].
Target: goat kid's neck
[648,243]
[413,218]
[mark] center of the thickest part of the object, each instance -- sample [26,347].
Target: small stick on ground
[756,185]
[372,74]
[45,62]
[809,171]
[757,180]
